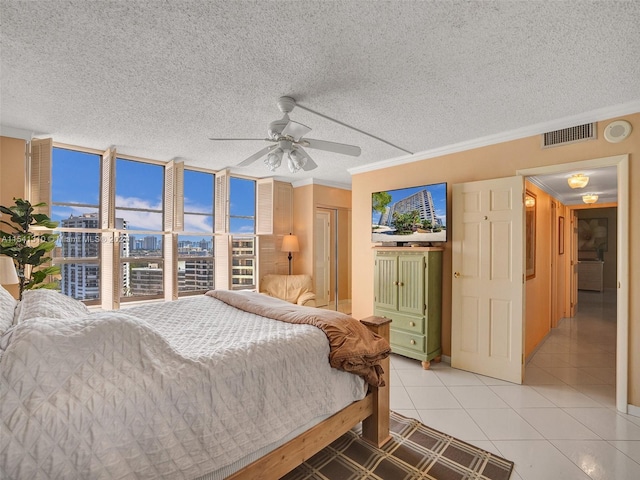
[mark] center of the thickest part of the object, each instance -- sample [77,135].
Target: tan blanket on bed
[353,347]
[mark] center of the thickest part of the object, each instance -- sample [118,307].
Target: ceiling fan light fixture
[296,161]
[590,198]
[578,180]
[274,159]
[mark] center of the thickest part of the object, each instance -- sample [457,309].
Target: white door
[488,278]
[323,265]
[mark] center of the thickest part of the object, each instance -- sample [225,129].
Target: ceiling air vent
[569,135]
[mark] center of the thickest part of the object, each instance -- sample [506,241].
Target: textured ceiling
[157,78]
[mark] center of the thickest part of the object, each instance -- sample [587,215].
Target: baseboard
[445,359]
[633,410]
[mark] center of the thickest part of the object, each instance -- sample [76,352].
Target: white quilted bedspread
[173,390]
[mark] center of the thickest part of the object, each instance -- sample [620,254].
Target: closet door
[322,257]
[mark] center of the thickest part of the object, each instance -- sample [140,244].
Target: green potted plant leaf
[26,248]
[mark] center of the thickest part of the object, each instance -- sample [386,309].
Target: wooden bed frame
[372,411]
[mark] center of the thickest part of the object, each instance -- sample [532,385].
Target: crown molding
[315,181]
[13,132]
[529,131]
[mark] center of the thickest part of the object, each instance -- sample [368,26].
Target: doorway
[332,239]
[621,162]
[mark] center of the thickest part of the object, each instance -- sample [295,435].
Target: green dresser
[408,289]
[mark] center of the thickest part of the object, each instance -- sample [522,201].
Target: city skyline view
[139,189]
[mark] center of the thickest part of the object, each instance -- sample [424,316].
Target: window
[138,220]
[242,225]
[75,188]
[195,247]
[119,241]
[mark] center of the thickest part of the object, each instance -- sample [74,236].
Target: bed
[192,389]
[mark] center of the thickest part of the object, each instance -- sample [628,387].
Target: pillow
[7,307]
[51,304]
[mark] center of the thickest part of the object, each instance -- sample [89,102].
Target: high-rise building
[420,201]
[150,242]
[147,281]
[195,274]
[82,280]
[243,262]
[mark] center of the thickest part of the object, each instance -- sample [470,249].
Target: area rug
[414,452]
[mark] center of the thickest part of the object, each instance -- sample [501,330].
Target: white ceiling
[156,79]
[602,181]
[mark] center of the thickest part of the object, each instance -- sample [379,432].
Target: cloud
[139,220]
[245,229]
[195,207]
[197,223]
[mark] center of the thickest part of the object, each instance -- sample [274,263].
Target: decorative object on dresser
[408,290]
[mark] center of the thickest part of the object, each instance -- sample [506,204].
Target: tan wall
[305,201]
[12,169]
[303,224]
[484,163]
[12,177]
[538,313]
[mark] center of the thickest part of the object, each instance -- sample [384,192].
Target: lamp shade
[579,180]
[590,198]
[290,243]
[8,274]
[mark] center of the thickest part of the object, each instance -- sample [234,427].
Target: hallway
[560,424]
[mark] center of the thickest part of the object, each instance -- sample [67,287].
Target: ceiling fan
[287,137]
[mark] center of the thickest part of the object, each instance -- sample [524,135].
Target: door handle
[456,274]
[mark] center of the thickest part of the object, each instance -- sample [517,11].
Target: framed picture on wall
[560,235]
[593,234]
[530,233]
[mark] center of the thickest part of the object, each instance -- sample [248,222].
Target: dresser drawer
[407,341]
[400,321]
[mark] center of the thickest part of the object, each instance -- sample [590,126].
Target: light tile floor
[561,424]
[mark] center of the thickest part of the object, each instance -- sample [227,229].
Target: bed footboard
[372,411]
[375,428]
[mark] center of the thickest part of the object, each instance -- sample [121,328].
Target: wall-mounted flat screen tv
[413,215]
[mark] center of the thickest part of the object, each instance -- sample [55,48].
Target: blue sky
[438,194]
[76,179]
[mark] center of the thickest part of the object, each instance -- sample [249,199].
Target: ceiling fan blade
[257,155]
[295,130]
[309,164]
[236,139]
[334,147]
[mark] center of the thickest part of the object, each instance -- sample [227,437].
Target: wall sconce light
[579,180]
[590,198]
[529,201]
[290,244]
